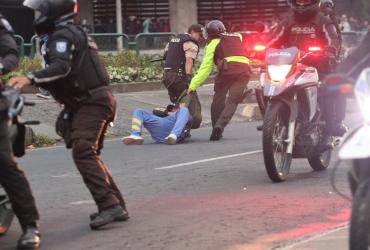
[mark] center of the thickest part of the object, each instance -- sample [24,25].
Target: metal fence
[109,42]
[20,43]
[143,42]
[152,41]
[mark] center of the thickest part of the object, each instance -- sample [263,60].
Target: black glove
[188,80]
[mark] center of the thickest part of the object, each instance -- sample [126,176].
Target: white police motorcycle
[356,148]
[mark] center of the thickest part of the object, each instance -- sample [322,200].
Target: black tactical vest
[305,34]
[230,45]
[175,58]
[87,71]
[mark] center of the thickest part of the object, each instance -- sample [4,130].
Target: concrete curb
[118,88]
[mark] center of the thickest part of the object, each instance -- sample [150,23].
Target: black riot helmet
[214,29]
[305,9]
[327,6]
[50,12]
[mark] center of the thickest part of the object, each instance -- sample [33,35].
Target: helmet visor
[33,4]
[303,2]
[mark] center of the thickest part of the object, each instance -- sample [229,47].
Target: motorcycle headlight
[279,73]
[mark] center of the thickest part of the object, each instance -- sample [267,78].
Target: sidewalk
[336,239]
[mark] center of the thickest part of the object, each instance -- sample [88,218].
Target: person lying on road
[169,129]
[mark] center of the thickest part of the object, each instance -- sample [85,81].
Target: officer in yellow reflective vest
[228,52]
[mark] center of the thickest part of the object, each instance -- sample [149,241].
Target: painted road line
[83,202]
[305,240]
[208,160]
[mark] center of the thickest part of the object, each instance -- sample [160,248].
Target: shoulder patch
[6,24]
[61,47]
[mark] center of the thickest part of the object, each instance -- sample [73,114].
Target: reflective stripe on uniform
[239,59]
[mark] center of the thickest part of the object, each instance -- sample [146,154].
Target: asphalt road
[198,195]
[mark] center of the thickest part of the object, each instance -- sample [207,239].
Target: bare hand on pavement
[19,82]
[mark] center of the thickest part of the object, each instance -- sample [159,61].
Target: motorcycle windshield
[282,56]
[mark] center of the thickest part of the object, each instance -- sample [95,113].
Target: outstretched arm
[207,66]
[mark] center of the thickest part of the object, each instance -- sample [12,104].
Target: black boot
[327,143]
[216,134]
[108,216]
[260,127]
[339,129]
[118,218]
[30,239]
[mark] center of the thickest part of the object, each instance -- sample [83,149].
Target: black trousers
[229,92]
[334,112]
[14,181]
[89,125]
[174,82]
[332,106]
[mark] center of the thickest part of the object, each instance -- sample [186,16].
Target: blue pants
[158,127]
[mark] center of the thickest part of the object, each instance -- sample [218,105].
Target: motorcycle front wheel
[359,172]
[275,135]
[360,221]
[320,161]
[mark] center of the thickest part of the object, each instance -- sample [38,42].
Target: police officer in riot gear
[349,70]
[228,52]
[180,55]
[307,26]
[76,78]
[12,177]
[328,8]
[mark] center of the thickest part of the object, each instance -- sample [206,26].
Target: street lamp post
[119,24]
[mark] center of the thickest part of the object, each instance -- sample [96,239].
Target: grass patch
[43,141]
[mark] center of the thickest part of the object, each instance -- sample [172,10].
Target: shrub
[126,66]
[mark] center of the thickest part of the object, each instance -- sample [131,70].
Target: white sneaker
[44,96]
[171,139]
[133,140]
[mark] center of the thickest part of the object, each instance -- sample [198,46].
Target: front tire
[320,161]
[360,172]
[275,134]
[360,221]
